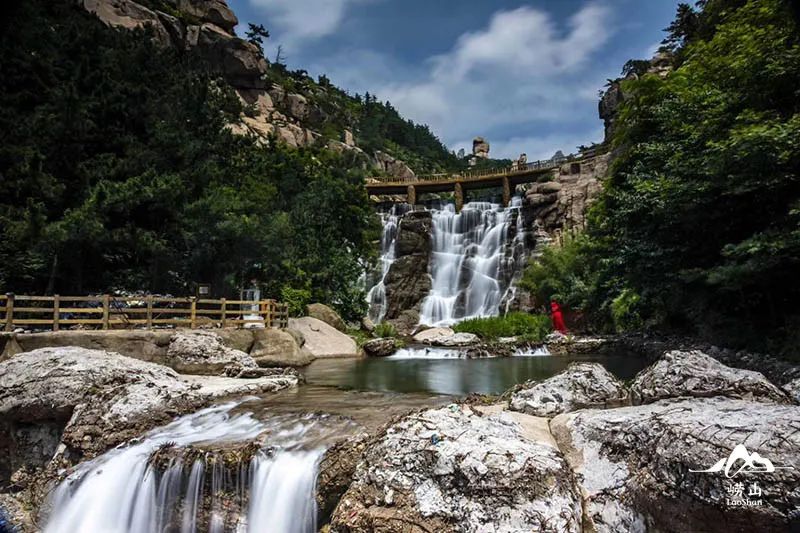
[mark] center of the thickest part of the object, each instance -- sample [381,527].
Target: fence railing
[516,168]
[124,312]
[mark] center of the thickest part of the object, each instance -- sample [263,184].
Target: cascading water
[129,489]
[377,294]
[473,261]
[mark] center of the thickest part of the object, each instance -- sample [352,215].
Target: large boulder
[380,347]
[793,390]
[327,315]
[428,335]
[642,468]
[456,339]
[323,340]
[139,344]
[580,386]
[276,347]
[203,352]
[694,373]
[454,469]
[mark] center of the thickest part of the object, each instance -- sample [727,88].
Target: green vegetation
[384,329]
[117,171]
[524,326]
[698,229]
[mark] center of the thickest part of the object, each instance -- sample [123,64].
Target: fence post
[268,314]
[224,312]
[193,313]
[10,311]
[56,313]
[149,315]
[105,311]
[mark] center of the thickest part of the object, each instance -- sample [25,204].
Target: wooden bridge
[507,178]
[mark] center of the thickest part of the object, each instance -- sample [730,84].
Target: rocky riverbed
[579,451]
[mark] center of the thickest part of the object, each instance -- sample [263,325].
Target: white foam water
[538,351]
[427,353]
[121,491]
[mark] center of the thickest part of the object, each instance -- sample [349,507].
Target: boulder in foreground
[323,340]
[454,469]
[693,373]
[204,353]
[581,385]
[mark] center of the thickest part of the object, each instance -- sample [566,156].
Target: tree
[257,34]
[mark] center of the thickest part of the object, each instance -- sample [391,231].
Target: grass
[524,326]
[384,329]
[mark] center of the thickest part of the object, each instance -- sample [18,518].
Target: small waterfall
[377,294]
[473,261]
[167,482]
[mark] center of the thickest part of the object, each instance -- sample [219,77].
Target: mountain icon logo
[740,460]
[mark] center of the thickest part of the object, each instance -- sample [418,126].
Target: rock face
[453,469]
[327,315]
[275,347]
[793,390]
[562,204]
[380,347]
[634,464]
[203,352]
[580,386]
[408,282]
[694,373]
[322,340]
[480,148]
[392,166]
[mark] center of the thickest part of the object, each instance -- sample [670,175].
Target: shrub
[531,328]
[385,329]
[296,299]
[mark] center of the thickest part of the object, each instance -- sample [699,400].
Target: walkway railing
[546,164]
[127,312]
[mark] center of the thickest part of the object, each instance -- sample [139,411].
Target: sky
[525,75]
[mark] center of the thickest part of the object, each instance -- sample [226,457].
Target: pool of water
[454,376]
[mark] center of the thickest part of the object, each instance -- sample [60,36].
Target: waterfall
[472,261]
[377,294]
[129,489]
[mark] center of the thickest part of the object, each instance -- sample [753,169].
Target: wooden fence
[118,312]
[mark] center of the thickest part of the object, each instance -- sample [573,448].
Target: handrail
[122,312]
[542,164]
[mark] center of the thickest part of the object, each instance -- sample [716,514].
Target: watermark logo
[740,461]
[750,463]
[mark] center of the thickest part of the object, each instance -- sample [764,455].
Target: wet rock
[327,315]
[408,282]
[276,347]
[380,347]
[454,469]
[203,352]
[335,472]
[693,373]
[580,386]
[430,334]
[634,464]
[323,340]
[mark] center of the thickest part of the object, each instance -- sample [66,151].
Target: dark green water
[454,376]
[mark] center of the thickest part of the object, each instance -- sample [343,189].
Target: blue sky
[524,75]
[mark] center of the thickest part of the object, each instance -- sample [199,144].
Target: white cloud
[297,20]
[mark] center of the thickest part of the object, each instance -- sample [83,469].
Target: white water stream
[121,491]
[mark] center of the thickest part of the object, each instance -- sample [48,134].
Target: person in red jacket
[558,317]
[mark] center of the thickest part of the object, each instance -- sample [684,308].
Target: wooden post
[459,193]
[149,314]
[506,191]
[412,195]
[56,312]
[10,311]
[268,314]
[193,312]
[224,312]
[105,311]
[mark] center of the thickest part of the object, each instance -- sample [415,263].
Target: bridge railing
[116,312]
[516,168]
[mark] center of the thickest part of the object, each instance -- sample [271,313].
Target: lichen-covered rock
[793,390]
[694,373]
[327,315]
[456,339]
[581,385]
[429,334]
[336,470]
[635,464]
[382,347]
[453,469]
[203,352]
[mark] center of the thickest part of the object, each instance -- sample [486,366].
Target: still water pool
[454,376]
